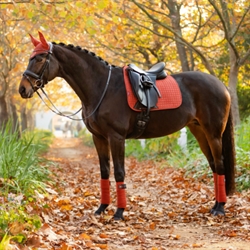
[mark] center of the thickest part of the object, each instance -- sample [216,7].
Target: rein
[103,94]
[58,112]
[39,79]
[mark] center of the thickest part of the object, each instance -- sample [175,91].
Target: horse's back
[199,80]
[205,89]
[209,95]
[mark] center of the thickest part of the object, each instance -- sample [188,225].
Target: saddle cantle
[144,83]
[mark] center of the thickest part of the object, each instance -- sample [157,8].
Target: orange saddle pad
[170,93]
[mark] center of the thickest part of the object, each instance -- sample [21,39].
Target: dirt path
[165,210]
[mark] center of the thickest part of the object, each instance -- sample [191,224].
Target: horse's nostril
[22,90]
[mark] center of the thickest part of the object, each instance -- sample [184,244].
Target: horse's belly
[162,123]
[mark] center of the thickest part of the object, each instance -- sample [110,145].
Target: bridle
[39,79]
[39,83]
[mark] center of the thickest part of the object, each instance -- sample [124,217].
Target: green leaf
[30,14]
[62,14]
[102,4]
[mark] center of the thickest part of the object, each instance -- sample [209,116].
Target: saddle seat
[156,70]
[144,84]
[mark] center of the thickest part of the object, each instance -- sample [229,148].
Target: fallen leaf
[84,236]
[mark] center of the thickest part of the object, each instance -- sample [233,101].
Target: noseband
[39,83]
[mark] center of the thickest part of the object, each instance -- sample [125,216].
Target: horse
[205,109]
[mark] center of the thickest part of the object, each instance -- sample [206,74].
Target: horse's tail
[228,152]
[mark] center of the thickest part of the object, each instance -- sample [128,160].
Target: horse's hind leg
[102,148]
[215,144]
[201,137]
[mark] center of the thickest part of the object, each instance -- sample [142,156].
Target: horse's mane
[78,48]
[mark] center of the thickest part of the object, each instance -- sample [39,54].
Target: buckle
[122,186]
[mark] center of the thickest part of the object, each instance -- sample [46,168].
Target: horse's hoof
[218,209]
[101,209]
[213,208]
[215,213]
[119,214]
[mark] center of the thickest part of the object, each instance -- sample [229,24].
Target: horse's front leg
[117,145]
[102,147]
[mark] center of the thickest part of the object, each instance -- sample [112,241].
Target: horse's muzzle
[25,90]
[25,94]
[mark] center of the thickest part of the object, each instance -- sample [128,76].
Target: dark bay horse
[205,110]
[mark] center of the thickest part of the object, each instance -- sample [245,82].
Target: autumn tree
[8,53]
[213,25]
[232,16]
[188,35]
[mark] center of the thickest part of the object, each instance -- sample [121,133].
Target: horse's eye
[39,58]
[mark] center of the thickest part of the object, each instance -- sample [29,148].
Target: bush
[41,139]
[21,169]
[243,92]
[15,222]
[153,148]
[23,174]
[243,154]
[86,137]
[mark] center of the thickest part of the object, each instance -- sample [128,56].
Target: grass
[243,155]
[23,174]
[20,162]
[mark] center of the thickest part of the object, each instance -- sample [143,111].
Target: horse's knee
[105,172]
[119,175]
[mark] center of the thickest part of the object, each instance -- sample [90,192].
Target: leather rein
[40,83]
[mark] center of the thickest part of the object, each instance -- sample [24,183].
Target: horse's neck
[86,75]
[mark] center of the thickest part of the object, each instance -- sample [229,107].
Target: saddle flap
[135,81]
[144,88]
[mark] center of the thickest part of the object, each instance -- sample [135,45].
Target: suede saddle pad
[170,94]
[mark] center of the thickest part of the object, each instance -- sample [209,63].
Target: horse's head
[42,67]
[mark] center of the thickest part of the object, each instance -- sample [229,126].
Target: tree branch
[32,1]
[226,29]
[241,21]
[203,58]
[244,58]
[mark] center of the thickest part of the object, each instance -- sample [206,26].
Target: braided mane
[71,46]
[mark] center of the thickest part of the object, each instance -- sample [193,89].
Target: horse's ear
[43,40]
[34,40]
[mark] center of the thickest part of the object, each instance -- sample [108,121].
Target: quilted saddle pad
[170,94]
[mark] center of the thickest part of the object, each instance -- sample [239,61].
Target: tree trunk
[175,20]
[233,81]
[14,116]
[3,111]
[30,119]
[24,122]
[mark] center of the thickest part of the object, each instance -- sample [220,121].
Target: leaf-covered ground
[165,210]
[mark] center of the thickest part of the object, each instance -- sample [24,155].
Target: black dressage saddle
[144,83]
